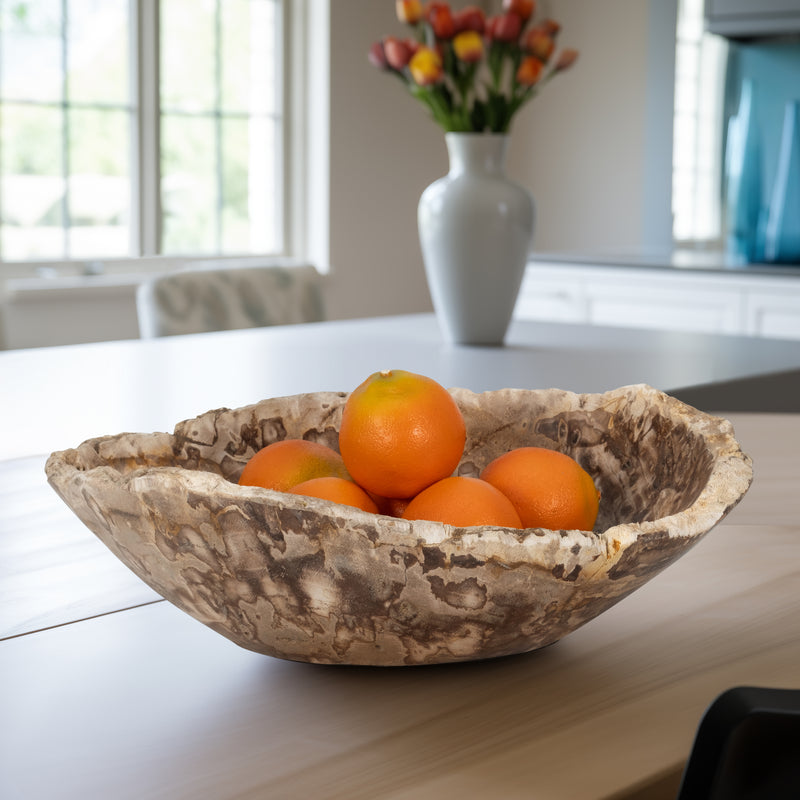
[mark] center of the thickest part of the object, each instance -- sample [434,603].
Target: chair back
[210,297]
[747,747]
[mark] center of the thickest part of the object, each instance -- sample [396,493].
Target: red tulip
[377,57]
[413,45]
[440,18]
[504,28]
[530,70]
[396,52]
[522,8]
[409,11]
[470,18]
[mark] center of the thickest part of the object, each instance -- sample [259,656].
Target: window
[697,146]
[140,128]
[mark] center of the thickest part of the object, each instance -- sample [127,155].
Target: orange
[337,490]
[463,501]
[284,464]
[391,506]
[400,432]
[549,489]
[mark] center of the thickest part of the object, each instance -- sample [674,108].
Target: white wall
[595,147]
[384,151]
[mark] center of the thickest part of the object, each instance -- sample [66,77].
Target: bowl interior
[647,465]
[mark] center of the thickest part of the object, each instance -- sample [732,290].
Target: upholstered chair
[212,297]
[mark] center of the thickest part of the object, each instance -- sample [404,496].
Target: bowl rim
[730,477]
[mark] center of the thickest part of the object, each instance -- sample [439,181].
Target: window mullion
[147,203]
[65,132]
[220,198]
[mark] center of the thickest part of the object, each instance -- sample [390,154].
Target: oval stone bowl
[308,580]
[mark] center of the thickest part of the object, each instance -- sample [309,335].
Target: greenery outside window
[149,128]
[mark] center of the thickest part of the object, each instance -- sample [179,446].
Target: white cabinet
[551,294]
[774,312]
[738,303]
[657,302]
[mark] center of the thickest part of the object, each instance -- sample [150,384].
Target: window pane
[100,183]
[249,53]
[221,141]
[188,55]
[32,182]
[30,50]
[250,219]
[188,184]
[70,155]
[98,51]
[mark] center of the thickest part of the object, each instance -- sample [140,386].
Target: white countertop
[55,397]
[680,259]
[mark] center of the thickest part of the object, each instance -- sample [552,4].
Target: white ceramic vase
[475,230]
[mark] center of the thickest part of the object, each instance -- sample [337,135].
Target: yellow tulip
[426,66]
[468,46]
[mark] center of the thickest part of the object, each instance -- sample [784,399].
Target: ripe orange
[400,432]
[549,489]
[463,501]
[337,490]
[284,464]
[391,506]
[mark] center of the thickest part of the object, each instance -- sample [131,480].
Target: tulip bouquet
[473,72]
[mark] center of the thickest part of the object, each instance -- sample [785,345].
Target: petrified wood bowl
[304,579]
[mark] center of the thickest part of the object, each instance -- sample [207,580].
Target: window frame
[304,95]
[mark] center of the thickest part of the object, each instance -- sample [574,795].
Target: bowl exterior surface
[303,579]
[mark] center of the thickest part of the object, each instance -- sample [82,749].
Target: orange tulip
[539,44]
[468,46]
[409,11]
[565,60]
[522,8]
[530,70]
[426,66]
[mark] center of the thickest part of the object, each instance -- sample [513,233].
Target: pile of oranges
[401,438]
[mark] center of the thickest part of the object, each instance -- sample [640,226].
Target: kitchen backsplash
[774,69]
[770,69]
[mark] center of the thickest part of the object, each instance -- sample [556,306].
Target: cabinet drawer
[773,315]
[688,308]
[550,298]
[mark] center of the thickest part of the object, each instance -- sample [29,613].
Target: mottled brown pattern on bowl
[303,579]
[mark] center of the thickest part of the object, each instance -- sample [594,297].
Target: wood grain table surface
[110,692]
